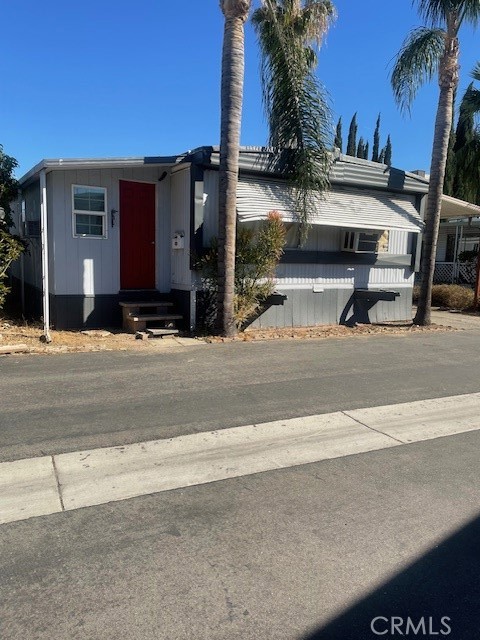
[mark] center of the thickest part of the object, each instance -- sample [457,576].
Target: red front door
[137,235]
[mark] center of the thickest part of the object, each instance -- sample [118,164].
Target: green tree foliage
[11,246]
[257,256]
[429,51]
[338,136]
[289,33]
[352,137]
[376,142]
[463,161]
[8,185]
[388,152]
[360,148]
[450,169]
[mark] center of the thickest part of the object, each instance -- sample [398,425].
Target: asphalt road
[71,402]
[312,551]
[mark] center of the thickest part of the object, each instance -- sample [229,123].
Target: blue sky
[105,78]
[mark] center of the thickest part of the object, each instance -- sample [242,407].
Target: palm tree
[233,60]
[301,132]
[429,51]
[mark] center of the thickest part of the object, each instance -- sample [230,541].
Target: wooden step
[160,333]
[154,316]
[157,303]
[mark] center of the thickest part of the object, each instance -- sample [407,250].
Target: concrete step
[160,333]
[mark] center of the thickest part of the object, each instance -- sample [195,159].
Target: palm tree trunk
[448,80]
[233,60]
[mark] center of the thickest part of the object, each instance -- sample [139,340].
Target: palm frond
[470,105]
[436,12]
[296,104]
[468,179]
[469,11]
[476,72]
[416,63]
[317,18]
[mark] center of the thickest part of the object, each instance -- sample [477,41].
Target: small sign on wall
[178,240]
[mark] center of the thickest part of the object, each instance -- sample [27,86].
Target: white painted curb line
[28,488]
[41,486]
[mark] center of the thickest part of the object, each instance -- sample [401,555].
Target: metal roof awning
[341,207]
[454,208]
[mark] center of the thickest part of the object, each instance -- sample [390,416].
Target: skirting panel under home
[309,307]
[76,312]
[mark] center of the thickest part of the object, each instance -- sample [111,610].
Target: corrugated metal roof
[340,207]
[345,170]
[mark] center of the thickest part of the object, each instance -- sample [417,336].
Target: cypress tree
[381,157]
[361,148]
[367,148]
[352,137]
[376,142]
[338,136]
[388,152]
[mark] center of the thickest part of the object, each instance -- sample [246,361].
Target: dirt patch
[330,331]
[13,332]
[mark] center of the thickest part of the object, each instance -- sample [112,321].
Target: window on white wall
[89,211]
[365,241]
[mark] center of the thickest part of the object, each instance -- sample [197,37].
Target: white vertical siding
[180,209]
[398,242]
[331,275]
[90,265]
[442,243]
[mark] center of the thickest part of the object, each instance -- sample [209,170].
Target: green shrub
[256,258]
[11,246]
[10,249]
[450,296]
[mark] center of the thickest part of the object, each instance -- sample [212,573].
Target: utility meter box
[178,240]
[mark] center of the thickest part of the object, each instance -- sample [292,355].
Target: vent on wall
[33,228]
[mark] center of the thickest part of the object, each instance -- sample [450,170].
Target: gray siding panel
[91,266]
[181,208]
[305,308]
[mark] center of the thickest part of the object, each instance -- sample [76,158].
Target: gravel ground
[13,332]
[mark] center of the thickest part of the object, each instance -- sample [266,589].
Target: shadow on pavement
[442,584]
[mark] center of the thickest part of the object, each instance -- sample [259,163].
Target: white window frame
[353,245]
[76,212]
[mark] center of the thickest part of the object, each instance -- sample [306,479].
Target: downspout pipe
[21,230]
[44,237]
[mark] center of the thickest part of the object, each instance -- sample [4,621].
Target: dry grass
[449,296]
[14,332]
[329,331]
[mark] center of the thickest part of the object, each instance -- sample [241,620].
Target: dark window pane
[87,225]
[88,199]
